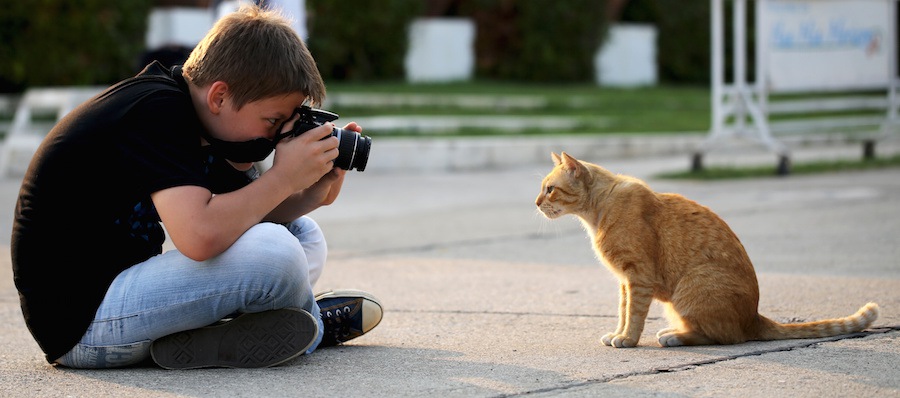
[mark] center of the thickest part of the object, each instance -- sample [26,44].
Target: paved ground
[484,297]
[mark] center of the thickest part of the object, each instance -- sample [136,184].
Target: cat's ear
[556,160]
[571,164]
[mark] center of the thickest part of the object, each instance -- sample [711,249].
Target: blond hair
[258,54]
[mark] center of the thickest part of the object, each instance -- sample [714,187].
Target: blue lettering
[835,34]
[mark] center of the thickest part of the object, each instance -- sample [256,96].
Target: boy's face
[254,120]
[257,119]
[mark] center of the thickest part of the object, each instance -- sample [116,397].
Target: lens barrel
[353,149]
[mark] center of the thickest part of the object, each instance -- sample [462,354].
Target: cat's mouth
[550,212]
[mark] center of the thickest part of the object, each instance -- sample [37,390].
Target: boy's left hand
[325,191]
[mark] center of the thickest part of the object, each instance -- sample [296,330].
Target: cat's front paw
[621,341]
[618,340]
[607,339]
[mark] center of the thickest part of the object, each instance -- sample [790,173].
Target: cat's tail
[771,330]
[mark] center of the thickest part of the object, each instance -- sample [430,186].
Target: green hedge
[360,40]
[537,40]
[68,42]
[534,41]
[683,46]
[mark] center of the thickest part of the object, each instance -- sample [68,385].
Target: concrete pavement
[484,297]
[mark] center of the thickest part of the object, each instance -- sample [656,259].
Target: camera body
[353,149]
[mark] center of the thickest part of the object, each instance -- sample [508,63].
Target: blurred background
[91,42]
[465,67]
[452,68]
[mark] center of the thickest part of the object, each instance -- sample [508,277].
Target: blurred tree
[614,9]
[183,3]
[68,42]
[364,40]
[683,46]
[537,40]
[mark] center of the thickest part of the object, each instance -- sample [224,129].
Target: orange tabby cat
[670,248]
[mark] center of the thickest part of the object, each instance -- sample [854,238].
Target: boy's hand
[353,127]
[325,191]
[305,159]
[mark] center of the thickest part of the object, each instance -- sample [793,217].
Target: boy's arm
[323,193]
[203,225]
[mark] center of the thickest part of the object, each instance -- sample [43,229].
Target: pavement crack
[696,364]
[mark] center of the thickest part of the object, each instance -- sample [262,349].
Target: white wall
[440,50]
[184,26]
[628,58]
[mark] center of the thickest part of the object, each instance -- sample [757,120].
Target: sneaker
[347,314]
[254,340]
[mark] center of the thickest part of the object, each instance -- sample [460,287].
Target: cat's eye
[549,189]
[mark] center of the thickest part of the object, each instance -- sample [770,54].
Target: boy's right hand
[304,159]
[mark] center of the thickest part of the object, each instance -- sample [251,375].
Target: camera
[353,149]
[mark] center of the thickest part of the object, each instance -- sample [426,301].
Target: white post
[892,64]
[718,66]
[762,40]
[718,82]
[740,64]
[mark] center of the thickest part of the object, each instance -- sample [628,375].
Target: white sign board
[822,45]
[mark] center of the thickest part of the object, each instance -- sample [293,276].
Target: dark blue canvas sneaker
[347,314]
[254,340]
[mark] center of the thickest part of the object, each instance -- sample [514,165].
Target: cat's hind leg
[665,331]
[674,338]
[679,332]
[686,331]
[675,321]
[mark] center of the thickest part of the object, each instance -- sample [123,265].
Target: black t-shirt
[84,212]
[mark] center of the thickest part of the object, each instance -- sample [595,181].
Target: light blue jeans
[270,267]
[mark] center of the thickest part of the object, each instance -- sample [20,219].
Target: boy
[178,146]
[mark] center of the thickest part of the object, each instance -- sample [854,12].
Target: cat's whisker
[542,221]
[546,227]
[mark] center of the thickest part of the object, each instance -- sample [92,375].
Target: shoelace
[338,321]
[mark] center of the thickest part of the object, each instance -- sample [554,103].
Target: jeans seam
[267,296]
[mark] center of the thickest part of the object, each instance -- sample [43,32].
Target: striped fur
[669,248]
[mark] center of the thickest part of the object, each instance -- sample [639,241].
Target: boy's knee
[305,229]
[264,232]
[310,236]
[268,248]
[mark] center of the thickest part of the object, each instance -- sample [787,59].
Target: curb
[495,153]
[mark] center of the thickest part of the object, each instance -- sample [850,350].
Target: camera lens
[353,150]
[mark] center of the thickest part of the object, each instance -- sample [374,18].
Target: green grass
[815,167]
[598,109]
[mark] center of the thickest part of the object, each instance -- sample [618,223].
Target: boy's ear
[215,96]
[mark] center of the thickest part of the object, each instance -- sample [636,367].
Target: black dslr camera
[353,149]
